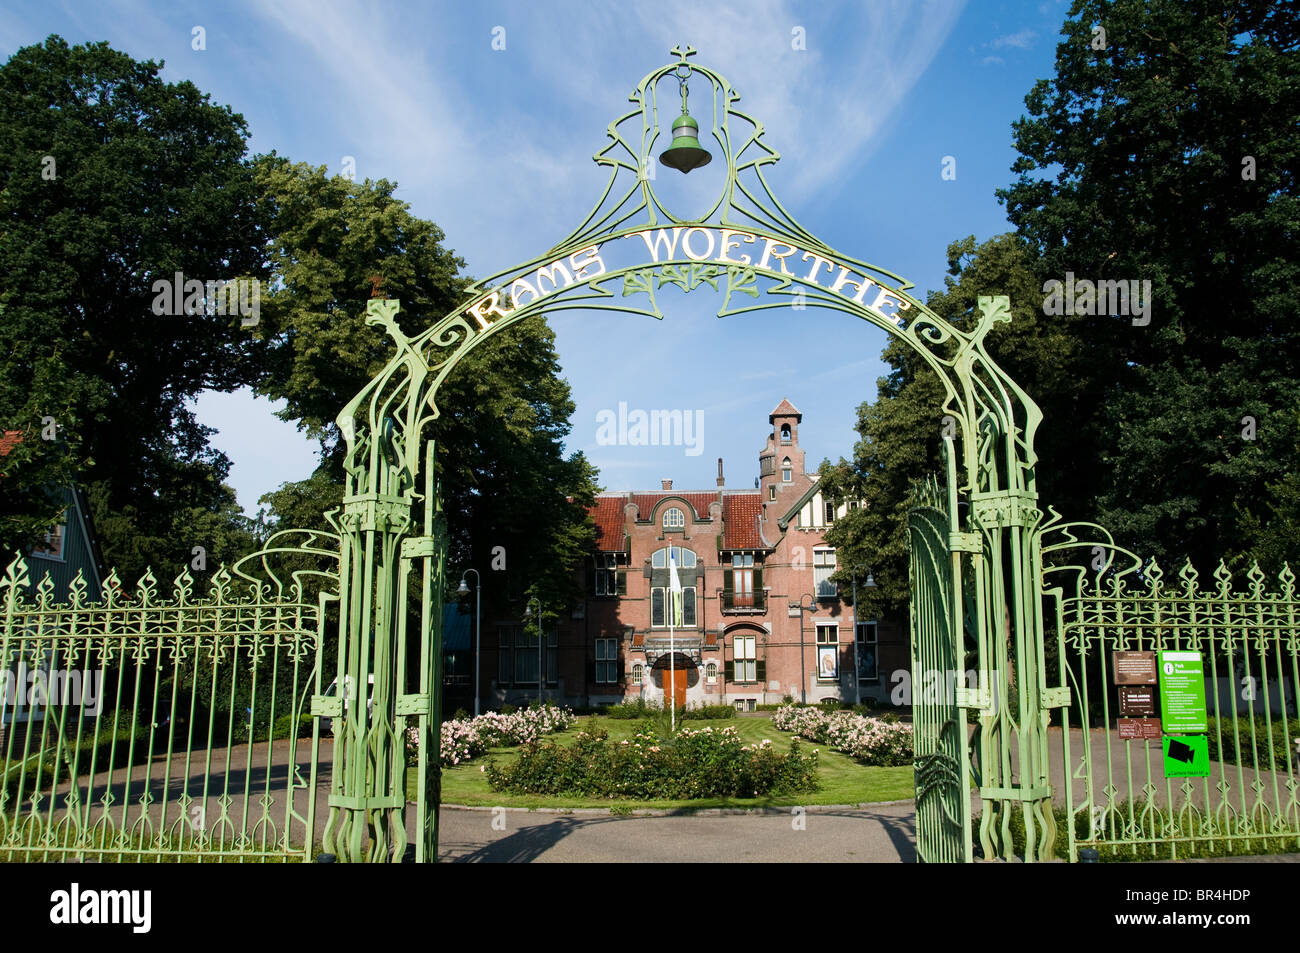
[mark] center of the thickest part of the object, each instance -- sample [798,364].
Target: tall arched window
[638,673]
[674,518]
[787,471]
[785,433]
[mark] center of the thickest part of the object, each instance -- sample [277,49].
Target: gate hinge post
[965,543]
[415,547]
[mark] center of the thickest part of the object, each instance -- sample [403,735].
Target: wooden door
[675,686]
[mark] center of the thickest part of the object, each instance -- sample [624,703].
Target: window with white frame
[711,672]
[828,650]
[606,574]
[742,579]
[674,518]
[828,510]
[606,661]
[51,547]
[638,673]
[823,569]
[659,607]
[744,650]
[787,471]
[685,558]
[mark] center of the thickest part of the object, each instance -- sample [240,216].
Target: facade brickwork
[744,557]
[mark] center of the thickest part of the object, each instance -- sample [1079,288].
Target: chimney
[666,484]
[721,482]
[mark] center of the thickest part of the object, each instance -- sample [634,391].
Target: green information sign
[1182,692]
[1187,756]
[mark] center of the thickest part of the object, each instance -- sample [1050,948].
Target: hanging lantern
[685,152]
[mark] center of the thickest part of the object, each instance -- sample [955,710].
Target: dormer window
[787,471]
[674,518]
[785,433]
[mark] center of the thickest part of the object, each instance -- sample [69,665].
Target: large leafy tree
[113,179]
[505,409]
[1166,150]
[902,430]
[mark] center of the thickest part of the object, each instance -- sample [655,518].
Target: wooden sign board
[1139,729]
[1137,701]
[1134,668]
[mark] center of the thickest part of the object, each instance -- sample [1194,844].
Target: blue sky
[495,146]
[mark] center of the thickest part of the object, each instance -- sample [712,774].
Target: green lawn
[842,780]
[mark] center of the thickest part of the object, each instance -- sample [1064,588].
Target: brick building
[743,556]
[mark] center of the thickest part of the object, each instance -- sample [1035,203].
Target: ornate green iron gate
[943,815]
[1102,599]
[137,726]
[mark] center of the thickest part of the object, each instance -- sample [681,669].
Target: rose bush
[466,738]
[873,741]
[694,763]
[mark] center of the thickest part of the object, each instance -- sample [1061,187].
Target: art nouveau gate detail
[756,256]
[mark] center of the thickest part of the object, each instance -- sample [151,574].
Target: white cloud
[1021,40]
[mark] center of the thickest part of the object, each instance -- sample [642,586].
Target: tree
[114,180]
[901,431]
[1174,146]
[506,410]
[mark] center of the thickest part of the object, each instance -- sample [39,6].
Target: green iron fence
[1119,798]
[135,727]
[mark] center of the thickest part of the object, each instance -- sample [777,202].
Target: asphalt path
[882,833]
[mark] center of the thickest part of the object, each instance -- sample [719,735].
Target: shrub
[708,712]
[632,710]
[874,741]
[694,763]
[466,738]
[1240,741]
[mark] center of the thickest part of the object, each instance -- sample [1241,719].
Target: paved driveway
[882,833]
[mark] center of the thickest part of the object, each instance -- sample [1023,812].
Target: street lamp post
[803,671]
[540,674]
[478,621]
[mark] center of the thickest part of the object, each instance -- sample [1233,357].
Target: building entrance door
[675,686]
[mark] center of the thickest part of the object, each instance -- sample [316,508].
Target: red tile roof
[646,502]
[608,514]
[740,513]
[784,409]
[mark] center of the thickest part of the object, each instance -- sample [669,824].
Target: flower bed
[694,763]
[466,738]
[870,740]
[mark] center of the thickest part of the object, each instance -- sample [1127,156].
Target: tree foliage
[1182,435]
[1173,154]
[113,179]
[502,474]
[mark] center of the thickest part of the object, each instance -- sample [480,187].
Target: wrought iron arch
[629,246]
